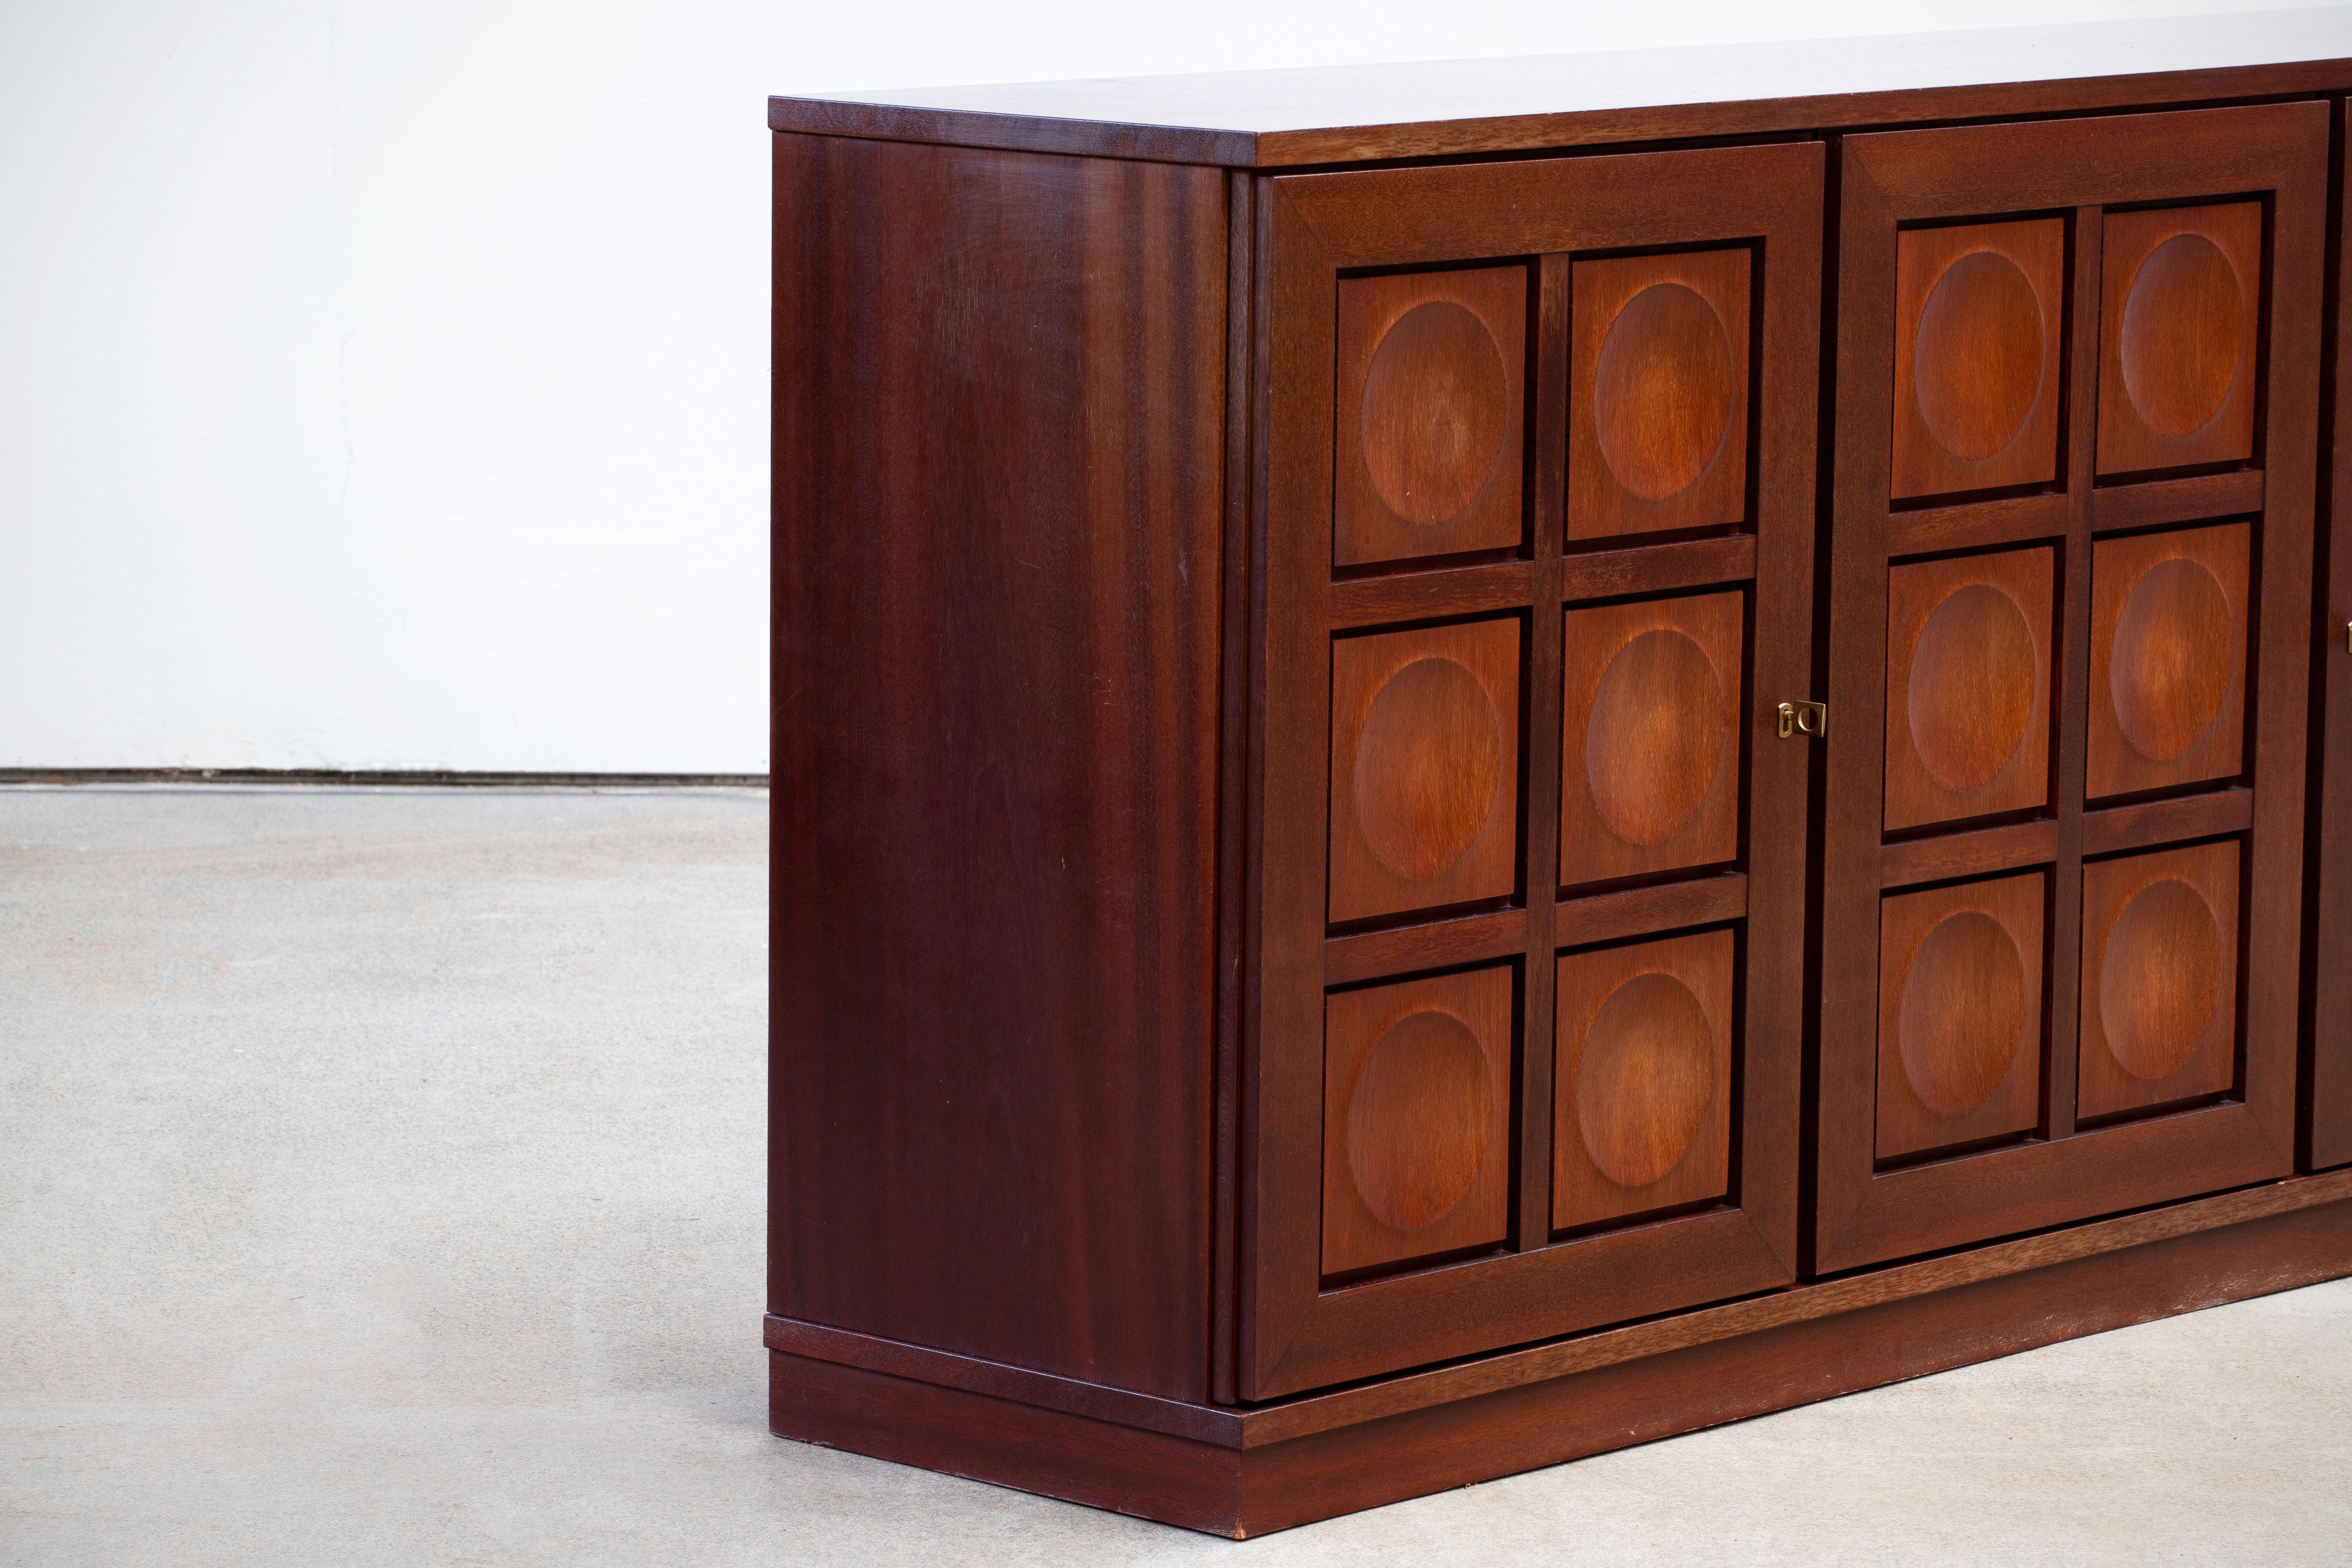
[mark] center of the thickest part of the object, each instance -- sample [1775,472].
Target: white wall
[383,385]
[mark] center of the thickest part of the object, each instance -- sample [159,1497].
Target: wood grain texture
[2168,616]
[1424,768]
[1660,568]
[992,1135]
[1433,594]
[2181,308]
[1428,944]
[1960,1014]
[1979,311]
[1968,687]
[1269,118]
[1431,386]
[2146,823]
[1652,738]
[1657,435]
[2153,503]
[1980,523]
[1949,857]
[1642,1077]
[1416,1118]
[2159,978]
[1270,1468]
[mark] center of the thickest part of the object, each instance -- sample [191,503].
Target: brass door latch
[1804,718]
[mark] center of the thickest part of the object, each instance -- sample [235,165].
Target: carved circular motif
[1972,686]
[1418,1122]
[1645,1081]
[2184,335]
[1977,361]
[1962,1012]
[2161,979]
[1663,391]
[1436,402]
[1654,742]
[2171,662]
[1428,762]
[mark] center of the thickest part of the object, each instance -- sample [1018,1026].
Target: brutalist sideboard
[1474,762]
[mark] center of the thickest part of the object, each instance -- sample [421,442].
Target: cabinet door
[2327,1129]
[2076,393]
[1523,991]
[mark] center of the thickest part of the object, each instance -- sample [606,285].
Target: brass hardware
[2347,637]
[1804,718]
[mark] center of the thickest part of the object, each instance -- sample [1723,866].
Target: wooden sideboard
[1479,762]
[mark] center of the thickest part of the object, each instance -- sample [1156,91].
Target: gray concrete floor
[380,1183]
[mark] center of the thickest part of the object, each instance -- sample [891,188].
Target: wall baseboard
[376,778]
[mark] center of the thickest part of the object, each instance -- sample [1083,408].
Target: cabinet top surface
[1347,113]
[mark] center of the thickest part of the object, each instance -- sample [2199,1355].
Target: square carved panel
[1649,756]
[1968,687]
[1658,434]
[1429,433]
[2159,978]
[1424,768]
[2167,658]
[1979,312]
[1641,1084]
[2182,301]
[1959,1013]
[1416,1118]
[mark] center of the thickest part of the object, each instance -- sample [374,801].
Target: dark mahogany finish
[1424,824]
[997,599]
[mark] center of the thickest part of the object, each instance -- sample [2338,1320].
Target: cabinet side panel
[998,445]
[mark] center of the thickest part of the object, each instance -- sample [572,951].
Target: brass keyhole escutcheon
[1804,718]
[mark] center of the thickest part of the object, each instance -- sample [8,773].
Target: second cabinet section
[1523,1006]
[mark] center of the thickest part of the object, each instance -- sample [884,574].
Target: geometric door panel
[1424,768]
[1658,393]
[1476,746]
[1650,750]
[1428,430]
[1968,687]
[1642,1085]
[2121,670]
[1416,1118]
[2159,977]
[2181,299]
[2167,658]
[1978,311]
[1960,1009]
